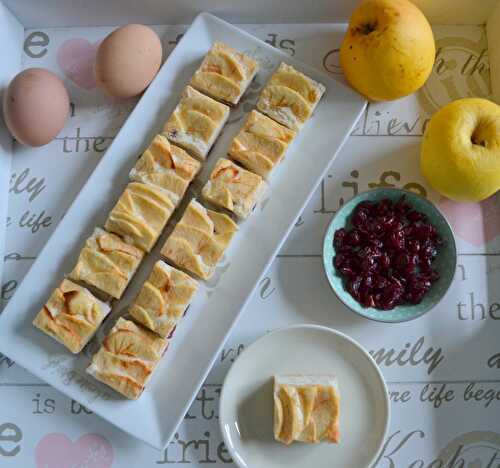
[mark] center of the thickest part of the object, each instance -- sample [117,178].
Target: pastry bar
[260,144]
[166,166]
[233,188]
[163,299]
[140,215]
[306,408]
[199,240]
[196,122]
[225,73]
[127,358]
[71,315]
[290,97]
[107,263]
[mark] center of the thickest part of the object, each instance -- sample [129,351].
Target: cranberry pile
[386,257]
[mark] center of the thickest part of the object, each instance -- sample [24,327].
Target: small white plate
[246,404]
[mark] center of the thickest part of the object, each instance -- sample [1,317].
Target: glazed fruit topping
[386,256]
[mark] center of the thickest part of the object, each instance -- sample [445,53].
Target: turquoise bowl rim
[328,258]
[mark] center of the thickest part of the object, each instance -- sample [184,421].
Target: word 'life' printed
[351,188]
[30,186]
[440,394]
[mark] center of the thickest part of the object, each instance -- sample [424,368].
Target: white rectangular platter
[212,315]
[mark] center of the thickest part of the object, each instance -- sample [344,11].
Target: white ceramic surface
[202,333]
[246,404]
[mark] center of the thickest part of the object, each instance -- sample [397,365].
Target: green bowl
[445,262]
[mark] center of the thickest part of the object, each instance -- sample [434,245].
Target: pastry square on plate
[163,299]
[199,240]
[107,263]
[225,73]
[290,97]
[71,315]
[306,408]
[127,358]
[166,166]
[140,214]
[233,188]
[196,122]
[260,144]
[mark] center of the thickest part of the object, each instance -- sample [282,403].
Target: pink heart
[76,58]
[476,223]
[89,451]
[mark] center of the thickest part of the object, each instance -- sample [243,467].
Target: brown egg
[35,106]
[128,60]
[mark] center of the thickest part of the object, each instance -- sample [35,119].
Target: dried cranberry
[401,261]
[413,245]
[353,286]
[353,238]
[425,263]
[407,264]
[368,282]
[423,231]
[376,228]
[368,264]
[408,231]
[428,250]
[385,261]
[388,222]
[401,206]
[360,220]
[365,205]
[432,275]
[346,270]
[339,238]
[369,251]
[374,242]
[368,300]
[383,206]
[339,260]
[396,240]
[380,282]
[415,216]
[414,297]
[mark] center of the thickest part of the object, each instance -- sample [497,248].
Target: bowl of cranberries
[389,255]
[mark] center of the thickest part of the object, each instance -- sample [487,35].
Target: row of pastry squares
[159,181]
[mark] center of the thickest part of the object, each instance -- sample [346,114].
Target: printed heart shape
[89,451]
[476,223]
[76,58]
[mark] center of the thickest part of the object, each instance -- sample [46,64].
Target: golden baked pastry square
[127,358]
[225,73]
[196,122]
[71,316]
[306,408]
[233,188]
[107,263]
[290,97]
[140,215]
[163,299]
[199,240]
[260,144]
[166,166]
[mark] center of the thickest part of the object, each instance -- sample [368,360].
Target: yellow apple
[388,50]
[460,155]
